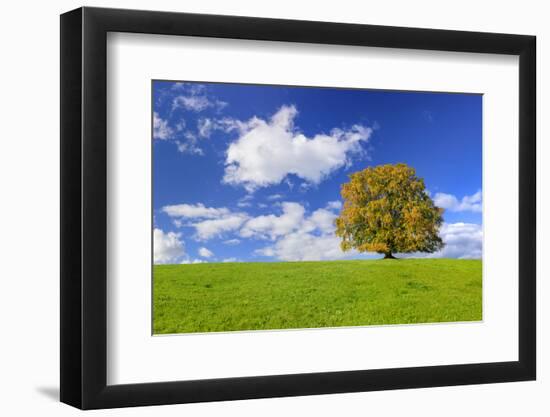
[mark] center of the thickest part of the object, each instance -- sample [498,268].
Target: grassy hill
[257,296]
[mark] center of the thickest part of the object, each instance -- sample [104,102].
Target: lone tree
[387,210]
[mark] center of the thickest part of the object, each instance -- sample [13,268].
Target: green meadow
[219,297]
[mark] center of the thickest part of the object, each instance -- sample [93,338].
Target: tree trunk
[389,255]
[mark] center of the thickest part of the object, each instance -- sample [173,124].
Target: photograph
[302,207]
[260,206]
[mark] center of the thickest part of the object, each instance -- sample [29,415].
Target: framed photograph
[259,208]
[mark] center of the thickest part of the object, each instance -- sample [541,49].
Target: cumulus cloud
[167,247]
[300,237]
[322,220]
[205,252]
[161,128]
[451,203]
[285,229]
[214,221]
[194,211]
[293,234]
[334,205]
[271,226]
[296,236]
[208,229]
[300,246]
[312,239]
[269,150]
[462,241]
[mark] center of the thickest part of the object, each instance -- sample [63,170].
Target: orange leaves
[387,210]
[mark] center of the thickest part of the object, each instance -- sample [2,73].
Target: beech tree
[387,210]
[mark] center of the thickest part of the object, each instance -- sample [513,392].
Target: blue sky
[252,172]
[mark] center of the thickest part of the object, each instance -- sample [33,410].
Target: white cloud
[291,219]
[195,211]
[231,242]
[197,102]
[161,129]
[194,103]
[285,229]
[300,246]
[274,197]
[451,203]
[214,221]
[185,141]
[245,201]
[267,151]
[297,237]
[230,260]
[314,239]
[228,124]
[294,234]
[194,97]
[180,125]
[205,127]
[167,247]
[322,220]
[205,252]
[193,261]
[208,229]
[462,241]
[311,239]
[334,205]
[272,226]
[191,88]
[189,146]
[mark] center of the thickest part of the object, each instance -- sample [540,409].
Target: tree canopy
[388,210]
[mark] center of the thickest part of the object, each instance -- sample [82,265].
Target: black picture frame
[84,208]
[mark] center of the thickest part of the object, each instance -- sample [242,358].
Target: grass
[291,295]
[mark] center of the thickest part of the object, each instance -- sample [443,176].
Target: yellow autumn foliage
[387,210]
